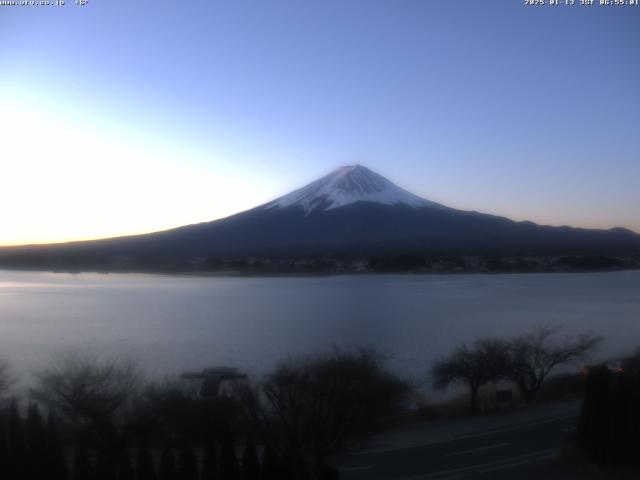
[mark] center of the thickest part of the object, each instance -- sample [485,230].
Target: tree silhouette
[106,467]
[485,361]
[187,463]
[535,354]
[609,424]
[82,465]
[270,463]
[210,470]
[250,464]
[229,469]
[620,439]
[314,405]
[4,449]
[144,464]
[593,424]
[55,459]
[125,470]
[287,470]
[87,391]
[167,468]
[17,443]
[36,443]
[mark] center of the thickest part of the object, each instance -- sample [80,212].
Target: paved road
[497,453]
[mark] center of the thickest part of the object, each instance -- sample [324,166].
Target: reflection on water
[174,323]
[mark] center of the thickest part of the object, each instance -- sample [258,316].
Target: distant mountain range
[350,220]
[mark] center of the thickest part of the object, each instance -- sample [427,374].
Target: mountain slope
[350,213]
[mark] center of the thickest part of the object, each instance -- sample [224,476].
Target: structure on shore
[211,379]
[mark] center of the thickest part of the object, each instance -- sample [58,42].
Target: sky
[123,117]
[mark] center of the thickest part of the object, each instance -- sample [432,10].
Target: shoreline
[294,274]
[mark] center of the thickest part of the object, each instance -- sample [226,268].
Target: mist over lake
[176,323]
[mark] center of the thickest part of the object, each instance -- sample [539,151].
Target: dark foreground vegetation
[609,425]
[606,442]
[89,419]
[104,423]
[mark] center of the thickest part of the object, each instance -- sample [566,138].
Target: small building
[212,380]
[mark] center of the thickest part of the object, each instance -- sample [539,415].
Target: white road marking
[473,450]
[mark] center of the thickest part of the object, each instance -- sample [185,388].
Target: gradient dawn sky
[128,116]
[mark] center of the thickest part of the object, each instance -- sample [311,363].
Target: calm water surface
[173,323]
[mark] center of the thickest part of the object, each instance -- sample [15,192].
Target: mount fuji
[350,215]
[347,185]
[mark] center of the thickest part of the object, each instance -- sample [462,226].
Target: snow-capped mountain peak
[346,185]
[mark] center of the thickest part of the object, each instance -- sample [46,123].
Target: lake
[175,323]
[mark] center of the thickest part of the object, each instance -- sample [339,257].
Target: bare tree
[483,362]
[535,354]
[86,390]
[172,408]
[314,405]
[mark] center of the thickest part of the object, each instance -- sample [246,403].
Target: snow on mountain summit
[347,185]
